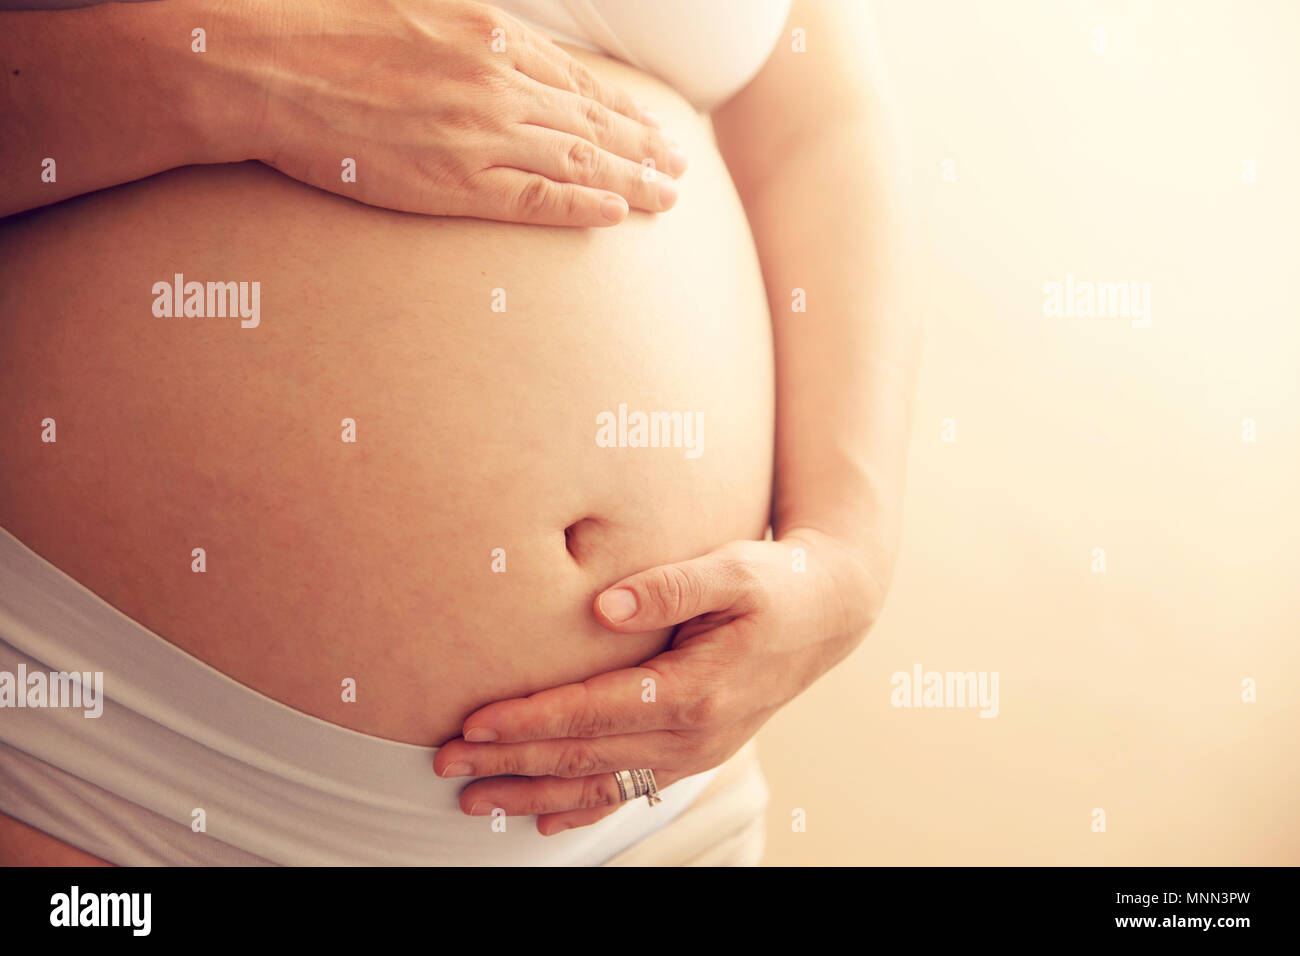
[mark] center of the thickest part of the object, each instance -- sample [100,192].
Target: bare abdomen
[475,429]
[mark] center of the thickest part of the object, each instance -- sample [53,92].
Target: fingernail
[481,735]
[618,605]
[458,770]
[667,192]
[613,209]
[676,162]
[651,119]
[480,809]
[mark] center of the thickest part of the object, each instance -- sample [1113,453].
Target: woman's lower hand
[444,107]
[758,622]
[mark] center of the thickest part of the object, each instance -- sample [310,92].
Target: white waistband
[177,735]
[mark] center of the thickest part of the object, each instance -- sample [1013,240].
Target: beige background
[1119,690]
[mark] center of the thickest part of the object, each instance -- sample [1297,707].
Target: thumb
[673,593]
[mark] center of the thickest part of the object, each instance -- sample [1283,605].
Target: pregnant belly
[393,465]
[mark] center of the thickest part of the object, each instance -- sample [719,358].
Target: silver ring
[637,783]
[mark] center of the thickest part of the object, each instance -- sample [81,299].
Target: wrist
[857,580]
[160,83]
[214,79]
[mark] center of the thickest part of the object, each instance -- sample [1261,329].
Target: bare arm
[809,147]
[109,93]
[811,158]
[442,107]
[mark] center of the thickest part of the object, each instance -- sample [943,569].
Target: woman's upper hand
[759,622]
[449,107]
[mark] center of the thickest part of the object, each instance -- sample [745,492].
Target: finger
[564,158]
[519,797]
[543,61]
[553,823]
[513,195]
[674,593]
[633,700]
[606,128]
[567,757]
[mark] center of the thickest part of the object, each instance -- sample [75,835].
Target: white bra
[705,49]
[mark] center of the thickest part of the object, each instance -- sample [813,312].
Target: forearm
[825,221]
[112,93]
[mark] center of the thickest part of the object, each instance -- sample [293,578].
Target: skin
[751,634]
[475,428]
[21,845]
[458,128]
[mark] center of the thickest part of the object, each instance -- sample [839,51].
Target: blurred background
[1101,511]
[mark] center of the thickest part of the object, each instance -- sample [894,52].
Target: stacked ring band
[637,783]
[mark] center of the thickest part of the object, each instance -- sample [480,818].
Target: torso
[475,429]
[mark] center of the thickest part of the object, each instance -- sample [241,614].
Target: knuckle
[599,121]
[486,90]
[590,721]
[581,161]
[654,147]
[535,804]
[576,761]
[581,80]
[483,18]
[740,571]
[452,169]
[673,589]
[592,725]
[472,51]
[509,764]
[569,205]
[597,792]
[742,576]
[702,712]
[534,198]
[499,85]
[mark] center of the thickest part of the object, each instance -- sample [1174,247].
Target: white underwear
[275,785]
